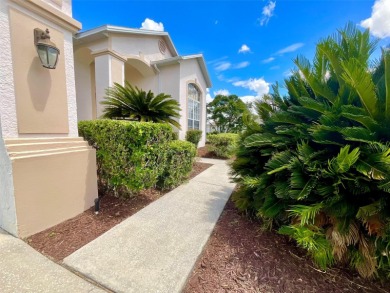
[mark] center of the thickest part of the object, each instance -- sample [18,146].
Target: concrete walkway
[22,269]
[155,249]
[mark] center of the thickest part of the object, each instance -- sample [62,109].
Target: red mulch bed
[204,153]
[241,258]
[65,238]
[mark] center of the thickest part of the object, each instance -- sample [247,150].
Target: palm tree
[319,164]
[131,103]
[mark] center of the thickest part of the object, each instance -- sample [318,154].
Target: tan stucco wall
[41,96]
[142,46]
[135,78]
[117,71]
[170,80]
[58,187]
[47,173]
[103,80]
[93,90]
[63,5]
[85,85]
[169,83]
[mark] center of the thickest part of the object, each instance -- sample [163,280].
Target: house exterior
[47,173]
[146,59]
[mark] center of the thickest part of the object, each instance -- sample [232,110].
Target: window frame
[194,109]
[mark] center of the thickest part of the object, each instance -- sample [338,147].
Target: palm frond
[279,162]
[344,160]
[128,102]
[306,214]
[357,76]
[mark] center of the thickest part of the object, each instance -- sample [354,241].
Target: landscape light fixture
[47,50]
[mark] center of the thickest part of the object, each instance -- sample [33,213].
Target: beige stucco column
[109,69]
[47,173]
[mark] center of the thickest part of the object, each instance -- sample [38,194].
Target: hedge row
[194,136]
[180,158]
[222,144]
[132,156]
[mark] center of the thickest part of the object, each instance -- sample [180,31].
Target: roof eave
[101,32]
[177,59]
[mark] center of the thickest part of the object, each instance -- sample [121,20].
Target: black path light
[47,50]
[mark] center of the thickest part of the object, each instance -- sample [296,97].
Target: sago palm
[319,164]
[131,103]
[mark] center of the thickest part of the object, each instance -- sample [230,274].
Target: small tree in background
[131,103]
[227,112]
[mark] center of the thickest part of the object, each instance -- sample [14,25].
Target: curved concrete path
[155,249]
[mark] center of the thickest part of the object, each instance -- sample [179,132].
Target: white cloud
[208,96]
[268,60]
[268,12]
[218,60]
[248,99]
[290,48]
[288,73]
[241,65]
[275,67]
[150,24]
[221,77]
[222,66]
[379,22]
[225,65]
[223,92]
[258,85]
[244,49]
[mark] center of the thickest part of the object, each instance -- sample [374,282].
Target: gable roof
[102,31]
[198,57]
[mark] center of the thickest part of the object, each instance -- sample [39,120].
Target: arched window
[193,107]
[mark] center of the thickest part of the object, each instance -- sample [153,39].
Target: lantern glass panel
[52,56]
[42,52]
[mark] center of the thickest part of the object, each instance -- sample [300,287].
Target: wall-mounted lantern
[47,50]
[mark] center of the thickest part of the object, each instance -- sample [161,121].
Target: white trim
[109,52]
[102,31]
[199,102]
[50,13]
[7,89]
[70,84]
[110,70]
[177,59]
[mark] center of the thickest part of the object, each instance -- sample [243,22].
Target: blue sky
[249,44]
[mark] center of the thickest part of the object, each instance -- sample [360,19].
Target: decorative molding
[49,12]
[109,52]
[162,46]
[57,2]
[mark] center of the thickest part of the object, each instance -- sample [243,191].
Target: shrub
[194,136]
[180,159]
[131,156]
[175,136]
[222,144]
[318,167]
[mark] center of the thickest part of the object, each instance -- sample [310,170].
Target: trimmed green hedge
[222,144]
[132,156]
[180,159]
[194,136]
